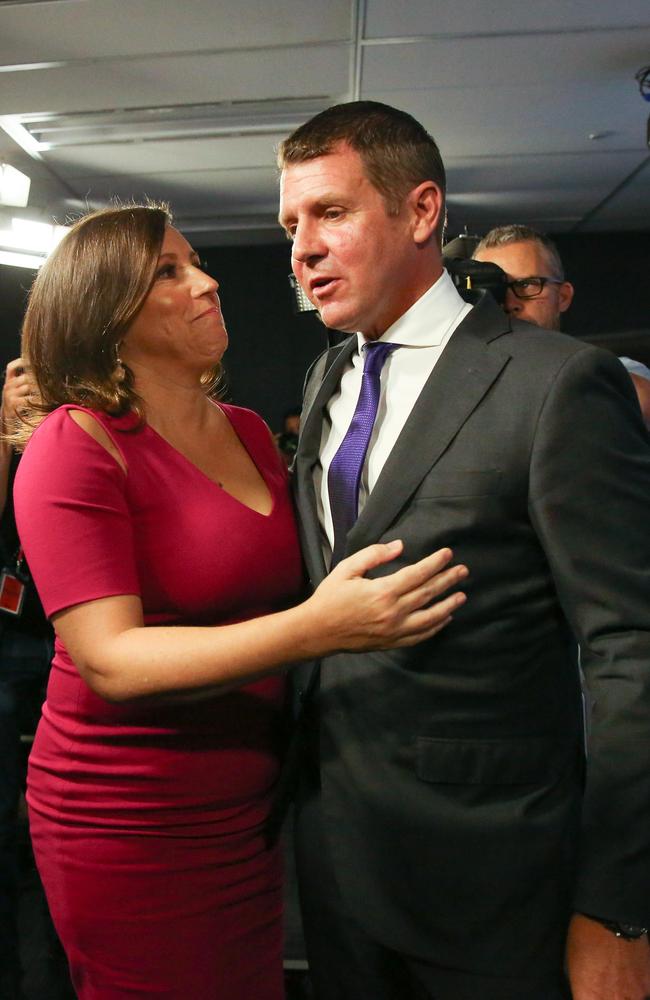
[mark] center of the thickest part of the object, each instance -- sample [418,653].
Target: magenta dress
[147,820]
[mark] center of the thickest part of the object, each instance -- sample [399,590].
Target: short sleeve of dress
[73,518]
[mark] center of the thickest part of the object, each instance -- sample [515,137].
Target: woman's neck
[172,403]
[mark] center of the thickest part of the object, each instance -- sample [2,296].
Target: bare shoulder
[92,426]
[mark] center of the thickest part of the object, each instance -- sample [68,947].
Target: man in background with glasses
[537,290]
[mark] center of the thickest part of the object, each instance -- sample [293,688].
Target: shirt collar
[427,322]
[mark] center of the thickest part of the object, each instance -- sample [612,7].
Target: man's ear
[566,295]
[426,204]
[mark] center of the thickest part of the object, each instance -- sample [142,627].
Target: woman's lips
[212,311]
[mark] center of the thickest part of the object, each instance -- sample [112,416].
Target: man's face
[530,260]
[361,267]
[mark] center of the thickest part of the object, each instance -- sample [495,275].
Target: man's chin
[337,319]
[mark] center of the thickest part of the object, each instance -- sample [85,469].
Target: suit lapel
[464,373]
[307,456]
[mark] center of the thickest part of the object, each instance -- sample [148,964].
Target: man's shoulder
[540,359]
[529,342]
[536,355]
[528,334]
[488,322]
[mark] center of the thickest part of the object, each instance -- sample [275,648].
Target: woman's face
[180,327]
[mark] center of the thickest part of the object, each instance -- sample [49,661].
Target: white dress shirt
[423,333]
[636,368]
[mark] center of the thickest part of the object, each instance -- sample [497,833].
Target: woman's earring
[119,372]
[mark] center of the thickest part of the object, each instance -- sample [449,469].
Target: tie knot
[375,355]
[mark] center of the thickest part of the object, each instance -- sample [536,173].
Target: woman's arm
[121,659]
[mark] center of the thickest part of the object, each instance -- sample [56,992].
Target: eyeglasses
[530,288]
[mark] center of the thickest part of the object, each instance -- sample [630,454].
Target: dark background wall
[14,284]
[271,347]
[611,275]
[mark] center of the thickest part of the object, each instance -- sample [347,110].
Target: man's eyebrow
[319,204]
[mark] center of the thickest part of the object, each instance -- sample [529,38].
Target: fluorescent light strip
[11,259]
[31,237]
[11,125]
[39,132]
[31,67]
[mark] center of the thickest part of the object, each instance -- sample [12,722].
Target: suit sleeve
[590,504]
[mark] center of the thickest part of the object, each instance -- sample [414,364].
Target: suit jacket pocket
[459,483]
[488,761]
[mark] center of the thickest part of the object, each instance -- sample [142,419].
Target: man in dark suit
[450,843]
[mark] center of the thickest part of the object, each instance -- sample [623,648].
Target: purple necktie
[344,473]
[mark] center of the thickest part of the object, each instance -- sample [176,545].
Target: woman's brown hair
[81,304]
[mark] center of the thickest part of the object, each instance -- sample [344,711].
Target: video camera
[470,275]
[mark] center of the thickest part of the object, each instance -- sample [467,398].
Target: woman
[159,531]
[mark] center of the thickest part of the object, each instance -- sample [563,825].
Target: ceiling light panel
[183,121]
[245,76]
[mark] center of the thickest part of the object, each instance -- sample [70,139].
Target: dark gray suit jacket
[452,772]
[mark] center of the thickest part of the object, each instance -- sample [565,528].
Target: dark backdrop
[271,347]
[611,275]
[14,284]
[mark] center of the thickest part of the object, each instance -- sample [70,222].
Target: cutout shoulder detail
[92,427]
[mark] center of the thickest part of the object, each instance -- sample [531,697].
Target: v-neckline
[213,482]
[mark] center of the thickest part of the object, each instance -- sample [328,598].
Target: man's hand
[604,967]
[19,384]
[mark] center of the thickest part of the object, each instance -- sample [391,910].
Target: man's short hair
[397,152]
[503,235]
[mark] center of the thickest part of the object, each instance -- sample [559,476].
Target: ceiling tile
[601,58]
[101,28]
[535,119]
[386,18]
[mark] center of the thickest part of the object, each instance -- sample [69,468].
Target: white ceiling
[513,92]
